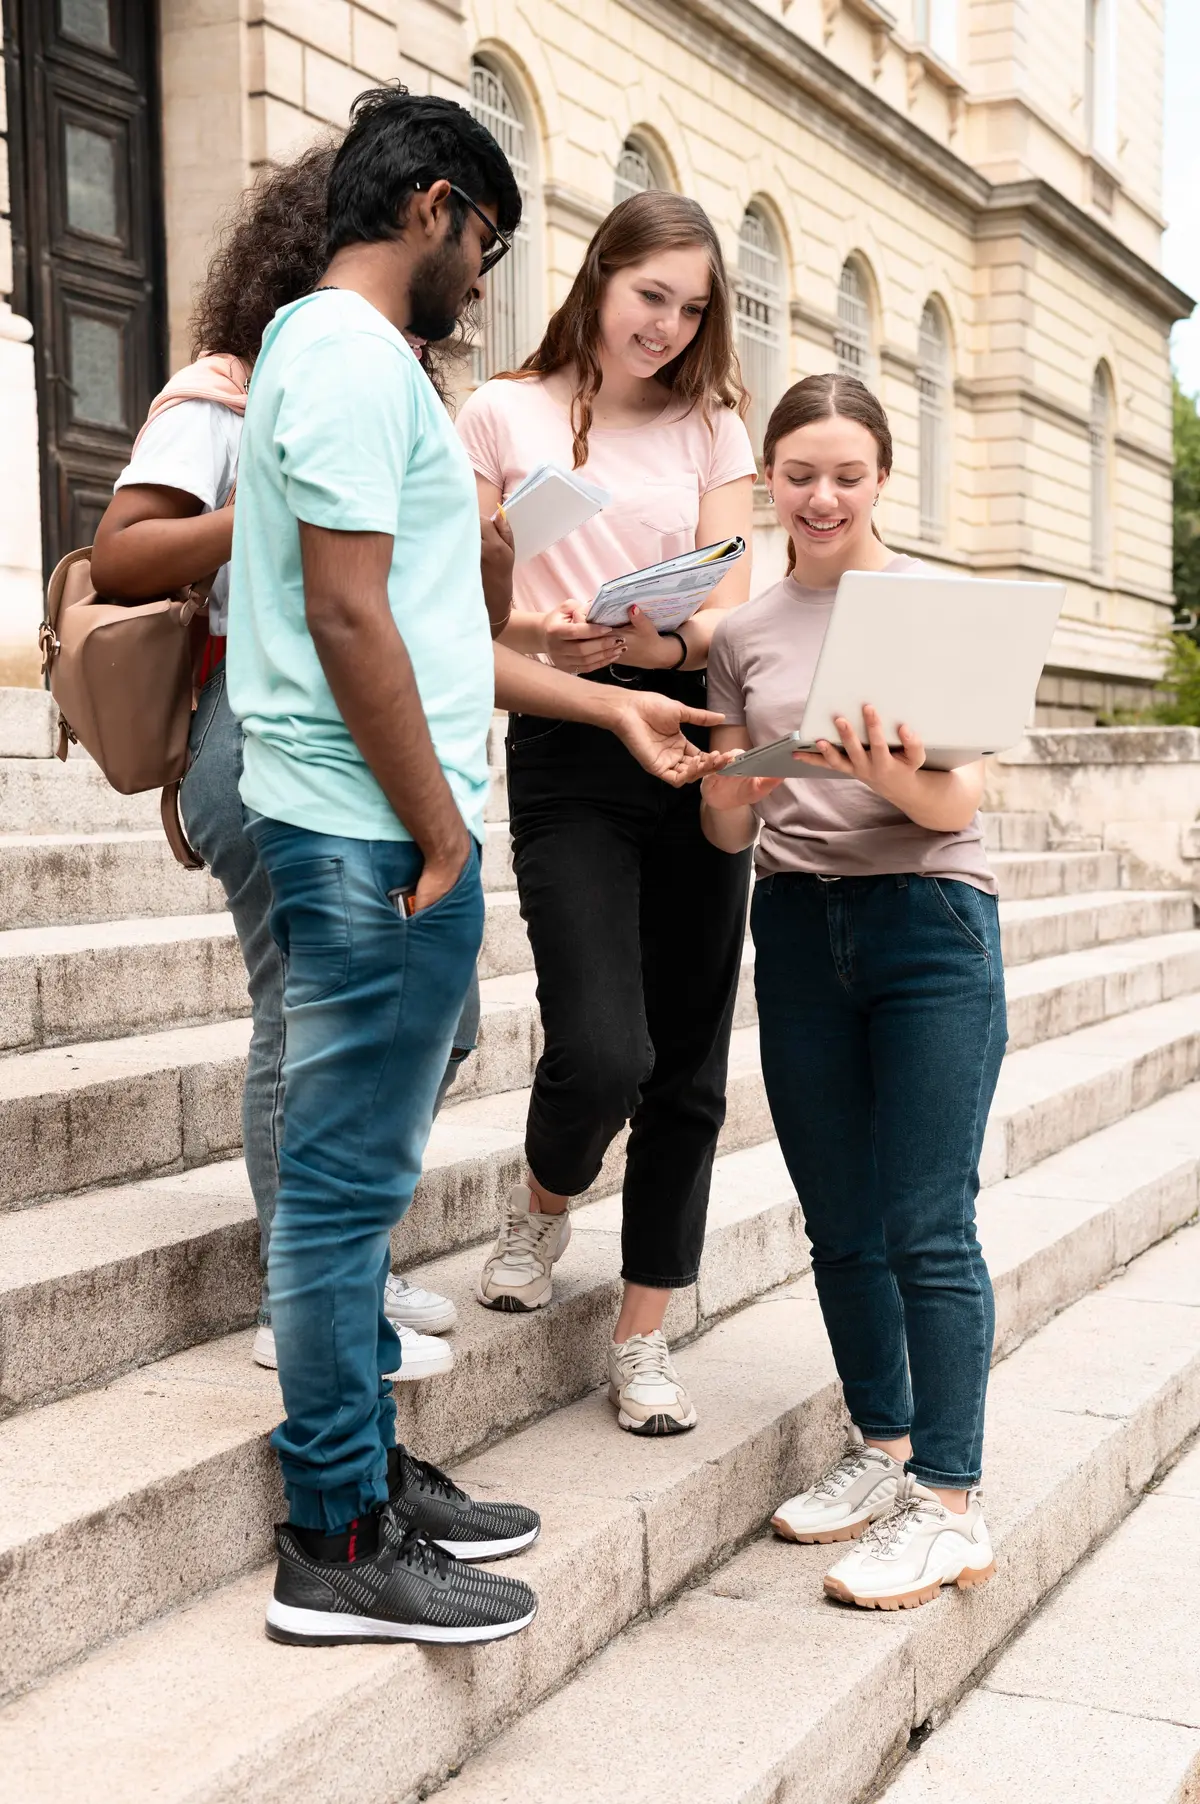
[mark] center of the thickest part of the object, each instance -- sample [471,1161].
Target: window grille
[635,172]
[852,339]
[506,335]
[1099,435]
[760,334]
[933,372]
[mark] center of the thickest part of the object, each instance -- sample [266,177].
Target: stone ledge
[1107,745]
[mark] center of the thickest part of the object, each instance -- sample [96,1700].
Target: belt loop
[901,882]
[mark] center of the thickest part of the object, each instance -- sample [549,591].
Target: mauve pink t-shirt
[760,669]
[655,473]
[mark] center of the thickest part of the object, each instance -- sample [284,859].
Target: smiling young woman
[881,1015]
[636,922]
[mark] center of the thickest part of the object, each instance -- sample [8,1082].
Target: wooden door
[87,216]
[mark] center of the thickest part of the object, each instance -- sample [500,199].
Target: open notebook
[669,593]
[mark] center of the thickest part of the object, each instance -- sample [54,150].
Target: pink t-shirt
[655,473]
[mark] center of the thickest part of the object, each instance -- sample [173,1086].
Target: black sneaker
[408,1590]
[423,1497]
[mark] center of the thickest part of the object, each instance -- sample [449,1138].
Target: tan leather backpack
[123,675]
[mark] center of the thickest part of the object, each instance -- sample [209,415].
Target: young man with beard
[360,665]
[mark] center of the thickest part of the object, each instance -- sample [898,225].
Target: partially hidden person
[881,1010]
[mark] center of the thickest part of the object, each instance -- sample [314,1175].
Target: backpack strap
[219,378]
[177,839]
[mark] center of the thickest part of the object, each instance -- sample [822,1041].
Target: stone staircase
[678,1653]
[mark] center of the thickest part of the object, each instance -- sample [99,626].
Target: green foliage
[1182,679]
[1187,510]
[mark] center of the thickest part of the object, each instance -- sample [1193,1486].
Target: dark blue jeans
[881,1016]
[370,1004]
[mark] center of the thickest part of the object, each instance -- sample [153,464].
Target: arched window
[508,327]
[760,318]
[933,382]
[1100,437]
[635,172]
[852,340]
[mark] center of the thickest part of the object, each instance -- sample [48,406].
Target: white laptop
[955,658]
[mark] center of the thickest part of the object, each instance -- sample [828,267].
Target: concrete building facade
[958,199]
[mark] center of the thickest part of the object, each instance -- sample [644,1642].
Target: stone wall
[1132,790]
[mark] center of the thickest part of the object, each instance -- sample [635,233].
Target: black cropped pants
[637,926]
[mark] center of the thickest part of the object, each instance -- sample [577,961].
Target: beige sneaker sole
[808,1537]
[910,1600]
[659,1422]
[509,1303]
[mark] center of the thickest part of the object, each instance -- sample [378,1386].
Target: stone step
[199,1705]
[1058,995]
[42,795]
[55,879]
[1050,1096]
[73,1117]
[1023,876]
[1016,832]
[112,979]
[1099,1697]
[1051,925]
[788,1696]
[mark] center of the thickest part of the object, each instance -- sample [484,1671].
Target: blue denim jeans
[211,809]
[371,1000]
[882,1023]
[213,816]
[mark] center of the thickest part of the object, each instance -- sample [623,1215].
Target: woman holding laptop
[636,922]
[881,1015]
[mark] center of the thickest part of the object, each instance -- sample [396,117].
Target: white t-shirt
[192,446]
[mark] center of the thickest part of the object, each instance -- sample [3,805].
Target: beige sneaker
[645,1387]
[518,1272]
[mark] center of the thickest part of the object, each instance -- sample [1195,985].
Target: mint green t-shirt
[344,430]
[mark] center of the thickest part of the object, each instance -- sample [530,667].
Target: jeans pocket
[311,922]
[448,897]
[963,905]
[528,731]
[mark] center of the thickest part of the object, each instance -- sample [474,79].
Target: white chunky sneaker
[421,1355]
[424,1310]
[858,1488]
[906,1557]
[646,1388]
[519,1271]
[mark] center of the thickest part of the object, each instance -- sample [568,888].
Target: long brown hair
[828,397]
[706,374]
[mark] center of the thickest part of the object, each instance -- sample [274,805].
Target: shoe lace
[842,1472]
[431,1478]
[647,1356]
[524,1231]
[415,1548]
[885,1535]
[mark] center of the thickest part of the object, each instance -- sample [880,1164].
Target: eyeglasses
[497,245]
